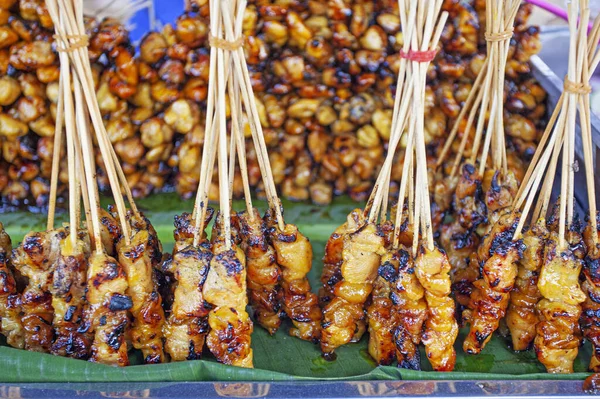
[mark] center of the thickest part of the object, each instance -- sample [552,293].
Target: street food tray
[418,385]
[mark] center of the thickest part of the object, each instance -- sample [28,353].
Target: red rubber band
[419,56]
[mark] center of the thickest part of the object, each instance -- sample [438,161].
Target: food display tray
[294,368]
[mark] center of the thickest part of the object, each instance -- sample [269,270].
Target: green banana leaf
[276,358]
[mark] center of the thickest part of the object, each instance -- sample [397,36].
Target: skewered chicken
[469,201]
[139,259]
[262,271]
[343,317]
[110,230]
[106,315]
[500,190]
[332,262]
[490,298]
[590,317]
[10,308]
[184,229]
[68,299]
[441,329]
[225,288]
[381,313]
[36,259]
[558,336]
[408,297]
[294,256]
[521,316]
[187,326]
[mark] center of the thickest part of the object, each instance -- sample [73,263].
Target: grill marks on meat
[441,329]
[262,271]
[294,255]
[106,315]
[343,317]
[489,300]
[68,300]
[36,259]
[521,316]
[10,307]
[590,316]
[558,333]
[187,326]
[225,288]
[139,260]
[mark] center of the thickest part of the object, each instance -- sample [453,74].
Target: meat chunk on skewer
[68,294]
[468,200]
[590,317]
[10,308]
[381,314]
[106,315]
[36,259]
[343,318]
[441,329]
[187,326]
[294,256]
[262,271]
[558,334]
[139,259]
[521,316]
[490,298]
[225,288]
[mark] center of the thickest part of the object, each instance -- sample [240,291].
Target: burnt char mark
[468,170]
[33,245]
[112,227]
[7,283]
[70,313]
[388,272]
[135,252]
[287,238]
[120,302]
[410,358]
[115,338]
[110,271]
[232,264]
[592,269]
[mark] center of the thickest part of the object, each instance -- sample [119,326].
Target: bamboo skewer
[58,133]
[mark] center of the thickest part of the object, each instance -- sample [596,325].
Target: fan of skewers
[99,285]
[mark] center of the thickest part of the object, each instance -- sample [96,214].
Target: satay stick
[58,133]
[70,132]
[73,29]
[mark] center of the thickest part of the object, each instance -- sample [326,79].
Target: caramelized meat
[468,200]
[441,329]
[187,325]
[343,318]
[10,308]
[408,297]
[106,315]
[263,272]
[490,298]
[294,255]
[36,259]
[558,336]
[225,288]
[68,300]
[138,260]
[521,316]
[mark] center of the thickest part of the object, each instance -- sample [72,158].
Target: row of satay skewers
[93,291]
[507,267]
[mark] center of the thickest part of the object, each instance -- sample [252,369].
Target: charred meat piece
[262,271]
[36,259]
[343,318]
[490,298]
[10,307]
[500,190]
[441,329]
[187,326]
[468,199]
[225,288]
[294,256]
[138,260]
[558,333]
[107,312]
[521,316]
[68,300]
